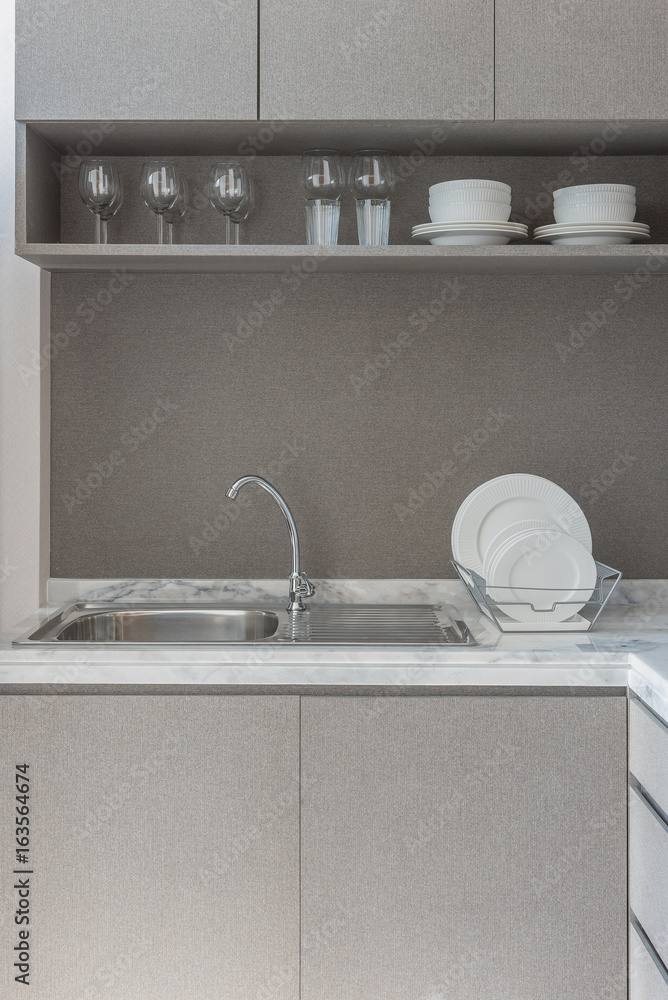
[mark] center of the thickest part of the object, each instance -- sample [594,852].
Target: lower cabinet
[464,847]
[469,847]
[163,858]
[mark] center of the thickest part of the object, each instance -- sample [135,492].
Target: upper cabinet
[581,59]
[384,59]
[136,59]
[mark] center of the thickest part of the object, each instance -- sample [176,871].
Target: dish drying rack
[583,620]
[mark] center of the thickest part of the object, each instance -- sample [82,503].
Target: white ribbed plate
[501,502]
[560,568]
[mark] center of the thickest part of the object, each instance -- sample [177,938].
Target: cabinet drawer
[647,979]
[648,871]
[648,753]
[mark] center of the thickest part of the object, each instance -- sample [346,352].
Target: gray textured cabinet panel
[472,847]
[580,59]
[648,979]
[385,59]
[136,59]
[648,871]
[164,845]
[648,753]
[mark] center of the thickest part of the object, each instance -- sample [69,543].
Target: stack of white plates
[470,233]
[594,214]
[592,233]
[530,541]
[469,212]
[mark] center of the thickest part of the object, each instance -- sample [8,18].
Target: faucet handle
[303,586]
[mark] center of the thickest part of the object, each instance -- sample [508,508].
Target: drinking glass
[159,187]
[174,214]
[322,179]
[228,189]
[101,191]
[244,210]
[371,182]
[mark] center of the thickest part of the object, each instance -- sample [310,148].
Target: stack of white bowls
[595,203]
[469,201]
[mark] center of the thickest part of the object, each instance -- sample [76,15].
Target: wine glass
[174,214]
[159,187]
[322,179]
[111,210]
[371,182]
[100,189]
[228,187]
[244,210]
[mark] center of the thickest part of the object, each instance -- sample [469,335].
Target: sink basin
[187,624]
[169,625]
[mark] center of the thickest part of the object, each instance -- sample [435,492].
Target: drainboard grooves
[412,624]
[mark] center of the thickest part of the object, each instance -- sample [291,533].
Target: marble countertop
[628,647]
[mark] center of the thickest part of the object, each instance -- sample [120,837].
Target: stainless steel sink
[188,624]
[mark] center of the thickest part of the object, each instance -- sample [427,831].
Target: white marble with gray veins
[628,646]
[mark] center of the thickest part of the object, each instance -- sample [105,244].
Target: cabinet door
[464,847]
[581,59]
[164,845]
[385,59]
[136,59]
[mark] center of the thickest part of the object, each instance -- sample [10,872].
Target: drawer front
[648,872]
[648,752]
[648,980]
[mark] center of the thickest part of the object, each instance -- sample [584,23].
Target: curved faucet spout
[300,585]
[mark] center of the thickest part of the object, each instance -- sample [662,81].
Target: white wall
[19,394]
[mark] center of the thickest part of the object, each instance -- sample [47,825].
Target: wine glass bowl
[101,190]
[228,189]
[371,174]
[160,185]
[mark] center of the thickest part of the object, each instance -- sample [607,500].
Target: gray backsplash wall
[373,421]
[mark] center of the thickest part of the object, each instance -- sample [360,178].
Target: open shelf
[502,260]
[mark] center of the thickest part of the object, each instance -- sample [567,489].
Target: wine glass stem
[103,231]
[98,228]
[170,233]
[161,228]
[228,230]
[237,227]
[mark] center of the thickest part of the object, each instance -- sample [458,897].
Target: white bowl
[469,194]
[594,198]
[595,189]
[613,212]
[470,211]
[470,183]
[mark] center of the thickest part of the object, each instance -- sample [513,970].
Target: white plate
[592,233]
[504,501]
[618,238]
[571,227]
[558,566]
[516,227]
[510,532]
[470,233]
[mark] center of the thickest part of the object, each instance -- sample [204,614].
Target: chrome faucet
[300,585]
